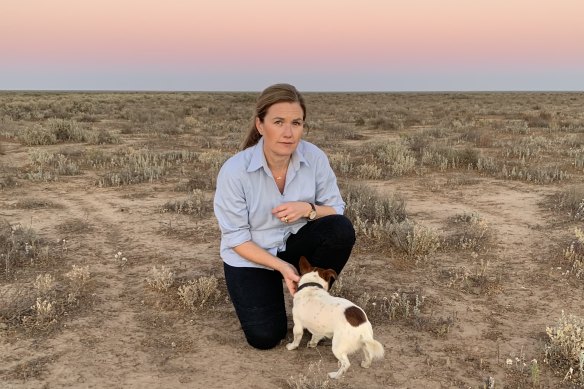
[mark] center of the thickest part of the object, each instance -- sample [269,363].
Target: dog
[333,317]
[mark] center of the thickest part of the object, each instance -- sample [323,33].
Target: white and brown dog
[324,315]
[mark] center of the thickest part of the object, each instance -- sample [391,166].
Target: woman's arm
[254,253]
[295,210]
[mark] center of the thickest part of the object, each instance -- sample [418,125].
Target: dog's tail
[374,348]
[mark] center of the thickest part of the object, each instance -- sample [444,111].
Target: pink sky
[306,40]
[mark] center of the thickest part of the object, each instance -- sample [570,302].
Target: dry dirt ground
[480,308]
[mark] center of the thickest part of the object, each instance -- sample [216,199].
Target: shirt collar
[258,159]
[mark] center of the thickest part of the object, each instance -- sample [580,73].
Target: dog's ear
[329,274]
[305,266]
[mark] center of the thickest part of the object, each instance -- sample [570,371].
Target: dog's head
[315,274]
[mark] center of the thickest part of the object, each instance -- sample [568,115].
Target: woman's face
[281,129]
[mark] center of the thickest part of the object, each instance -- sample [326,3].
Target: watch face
[312,215]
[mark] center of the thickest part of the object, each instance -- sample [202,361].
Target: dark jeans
[257,294]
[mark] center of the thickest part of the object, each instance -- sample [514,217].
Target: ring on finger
[285,219]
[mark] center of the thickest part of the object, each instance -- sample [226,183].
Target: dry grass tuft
[472,232]
[380,221]
[202,293]
[160,279]
[417,241]
[369,212]
[44,311]
[399,305]
[565,349]
[47,166]
[396,158]
[575,253]
[18,246]
[478,278]
[197,203]
[571,201]
[44,284]
[102,137]
[36,135]
[15,303]
[78,277]
[364,203]
[67,130]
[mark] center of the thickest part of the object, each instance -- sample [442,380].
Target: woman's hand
[291,211]
[252,252]
[290,276]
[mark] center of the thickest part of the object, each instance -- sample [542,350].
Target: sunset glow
[319,45]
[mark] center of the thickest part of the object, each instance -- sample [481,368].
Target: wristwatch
[312,213]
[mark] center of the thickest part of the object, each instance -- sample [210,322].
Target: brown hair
[273,94]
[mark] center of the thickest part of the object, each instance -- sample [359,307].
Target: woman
[277,200]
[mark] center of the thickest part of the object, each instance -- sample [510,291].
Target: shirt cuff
[339,209]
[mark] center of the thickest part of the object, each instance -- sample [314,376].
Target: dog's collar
[307,285]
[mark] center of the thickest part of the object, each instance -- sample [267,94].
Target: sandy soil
[126,335]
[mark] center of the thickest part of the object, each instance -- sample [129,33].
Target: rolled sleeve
[235,238]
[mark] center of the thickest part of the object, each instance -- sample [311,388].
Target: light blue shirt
[246,193]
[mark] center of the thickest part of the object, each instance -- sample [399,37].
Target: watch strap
[312,213]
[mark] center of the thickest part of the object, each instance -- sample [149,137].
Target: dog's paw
[312,344]
[291,346]
[334,375]
[366,364]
